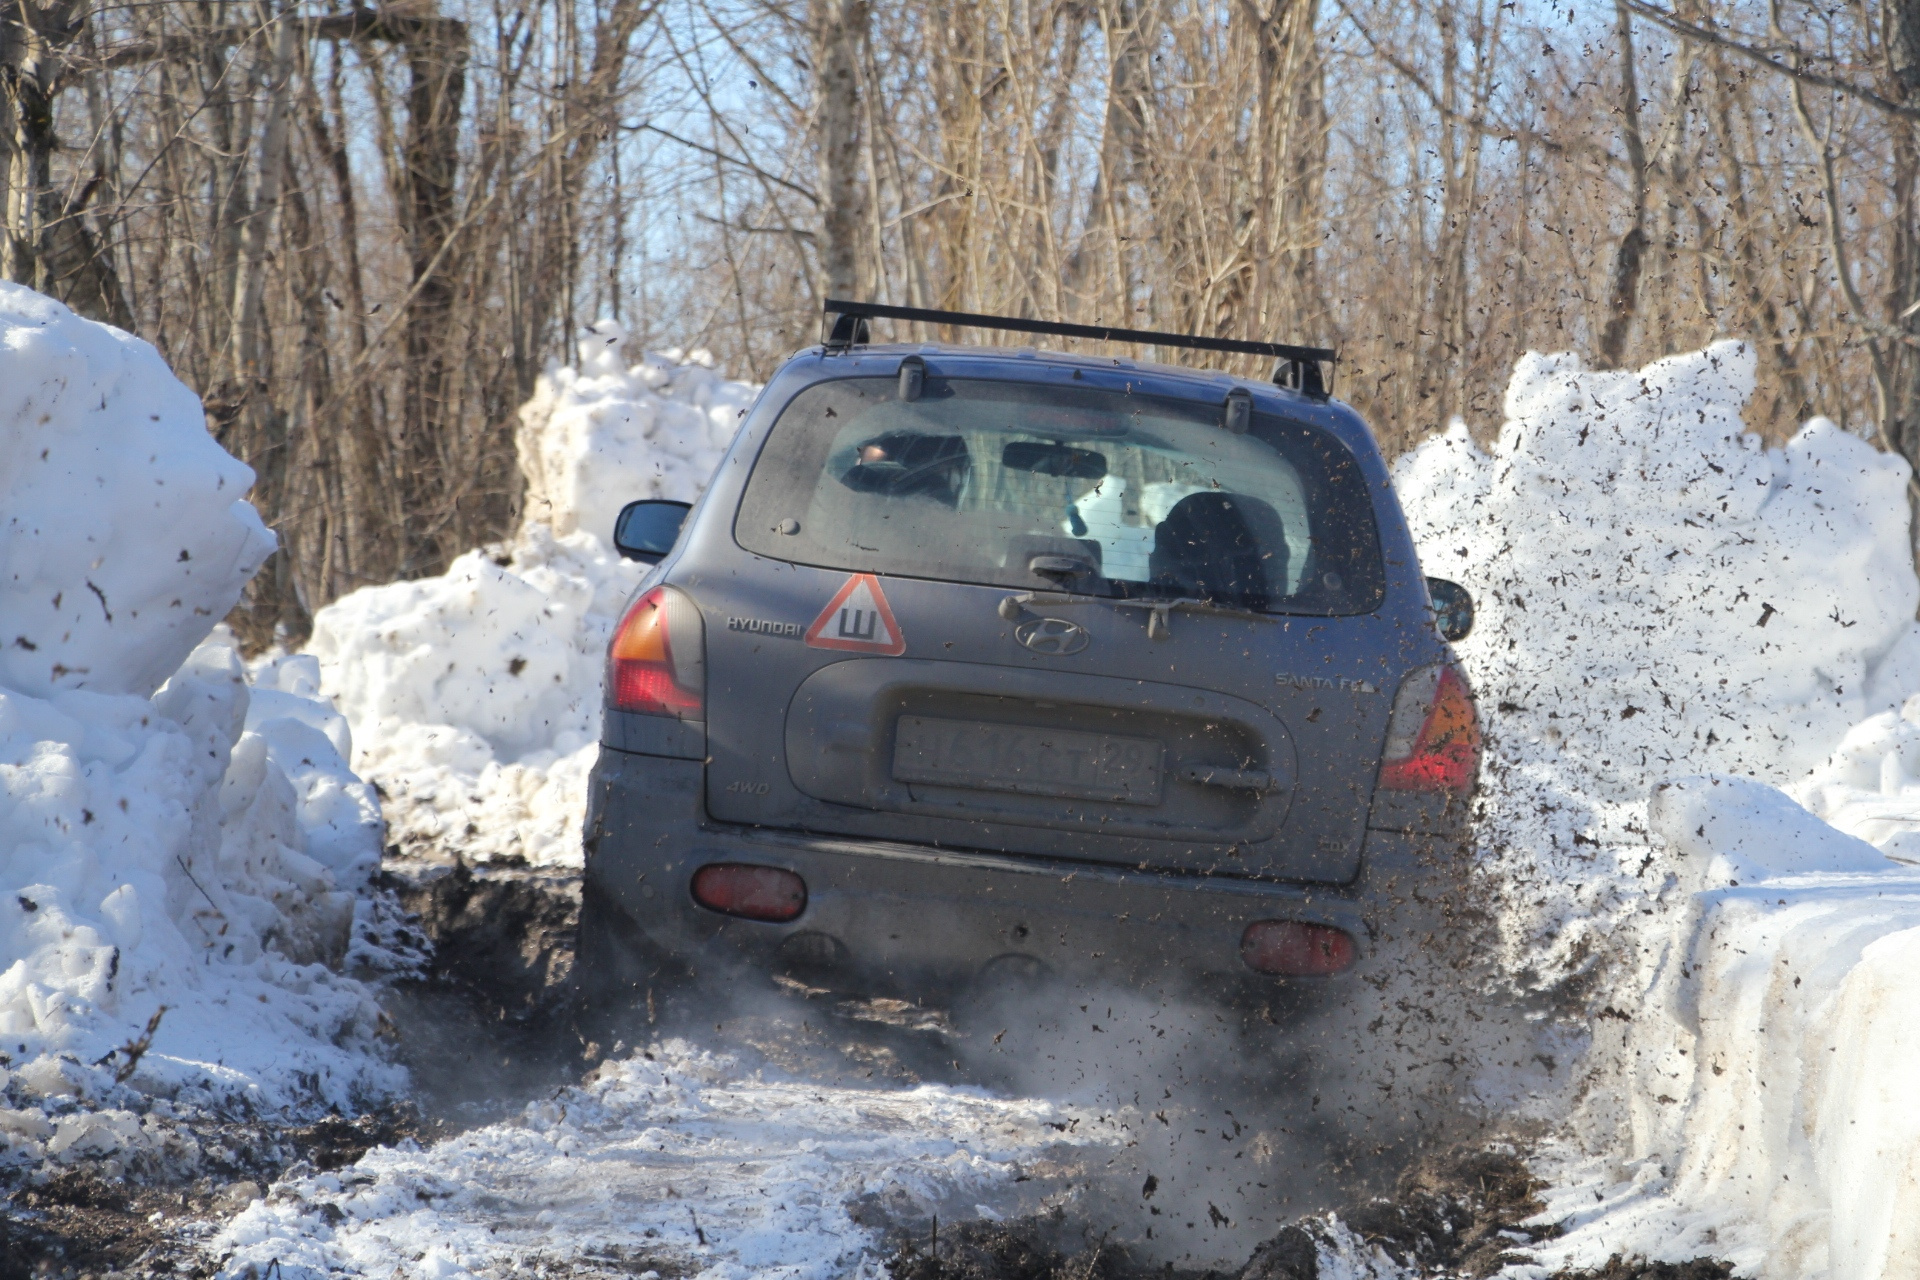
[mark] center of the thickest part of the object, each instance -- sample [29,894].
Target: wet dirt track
[491,1029]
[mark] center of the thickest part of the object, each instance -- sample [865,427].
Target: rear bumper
[913,921]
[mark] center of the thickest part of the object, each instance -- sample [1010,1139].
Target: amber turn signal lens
[651,670]
[1443,754]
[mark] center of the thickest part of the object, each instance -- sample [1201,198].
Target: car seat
[1206,548]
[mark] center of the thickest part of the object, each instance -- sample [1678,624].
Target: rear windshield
[1049,488]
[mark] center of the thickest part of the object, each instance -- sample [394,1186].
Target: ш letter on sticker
[858,620]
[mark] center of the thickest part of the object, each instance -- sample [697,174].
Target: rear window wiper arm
[1158,627]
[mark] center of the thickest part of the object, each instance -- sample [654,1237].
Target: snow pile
[1870,786]
[1664,604]
[673,1160]
[192,846]
[475,696]
[126,534]
[1758,1096]
[1658,595]
[596,437]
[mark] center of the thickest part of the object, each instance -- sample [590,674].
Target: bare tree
[838,34]
[35,42]
[1623,294]
[363,233]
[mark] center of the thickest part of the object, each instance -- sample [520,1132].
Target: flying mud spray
[1241,1119]
[1221,1122]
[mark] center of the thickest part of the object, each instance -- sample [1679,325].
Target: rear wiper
[1158,627]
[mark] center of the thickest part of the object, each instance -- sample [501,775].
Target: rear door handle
[1233,779]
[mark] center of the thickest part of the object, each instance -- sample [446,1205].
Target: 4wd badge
[857,619]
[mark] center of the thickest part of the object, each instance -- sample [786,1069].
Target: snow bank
[674,1160]
[194,849]
[1658,595]
[1757,1101]
[1671,618]
[598,436]
[1870,785]
[475,696]
[126,534]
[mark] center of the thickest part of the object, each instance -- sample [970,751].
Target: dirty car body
[976,662]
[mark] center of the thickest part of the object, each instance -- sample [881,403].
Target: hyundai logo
[1055,637]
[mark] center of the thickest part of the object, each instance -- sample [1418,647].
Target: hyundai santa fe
[976,661]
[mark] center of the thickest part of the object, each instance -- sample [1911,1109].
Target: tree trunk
[34,38]
[1276,231]
[1623,293]
[437,67]
[1903,270]
[1121,146]
[838,30]
[247,347]
[259,419]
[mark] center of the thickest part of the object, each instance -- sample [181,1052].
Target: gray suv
[977,663]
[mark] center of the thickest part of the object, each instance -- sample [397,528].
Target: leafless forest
[361,233]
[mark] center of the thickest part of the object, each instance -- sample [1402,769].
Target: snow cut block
[125,534]
[1747,832]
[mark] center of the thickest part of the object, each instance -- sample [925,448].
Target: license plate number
[1042,762]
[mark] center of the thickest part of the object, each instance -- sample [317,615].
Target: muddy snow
[677,1159]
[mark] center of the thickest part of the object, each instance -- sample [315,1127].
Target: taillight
[756,893]
[656,664]
[1294,949]
[1433,739]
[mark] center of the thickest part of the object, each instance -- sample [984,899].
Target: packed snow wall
[1658,595]
[169,834]
[128,534]
[1675,622]
[475,695]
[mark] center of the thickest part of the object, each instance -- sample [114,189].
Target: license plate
[1041,762]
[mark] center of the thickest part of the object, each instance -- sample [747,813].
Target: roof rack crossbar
[855,311]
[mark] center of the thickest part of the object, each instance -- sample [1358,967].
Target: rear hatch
[1043,617]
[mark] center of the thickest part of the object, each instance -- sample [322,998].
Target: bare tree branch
[1759,57]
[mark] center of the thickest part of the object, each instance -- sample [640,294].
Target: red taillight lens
[1433,740]
[1293,949]
[655,665]
[755,893]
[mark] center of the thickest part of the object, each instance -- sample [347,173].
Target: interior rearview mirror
[1053,460]
[1452,608]
[646,530]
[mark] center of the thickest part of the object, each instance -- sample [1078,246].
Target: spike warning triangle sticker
[858,620]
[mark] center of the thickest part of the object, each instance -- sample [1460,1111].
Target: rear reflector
[1433,738]
[1294,949]
[750,892]
[655,665]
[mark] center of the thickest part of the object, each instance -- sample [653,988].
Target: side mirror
[646,530]
[1452,608]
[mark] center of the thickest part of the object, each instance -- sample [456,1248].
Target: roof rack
[1298,368]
